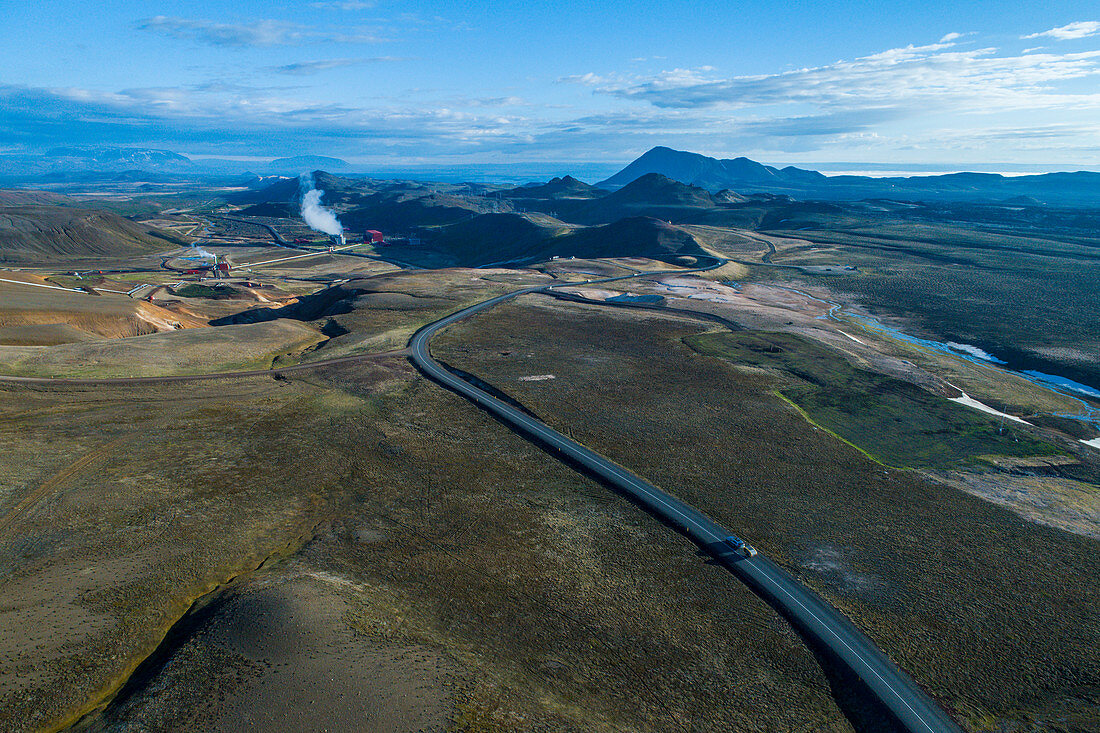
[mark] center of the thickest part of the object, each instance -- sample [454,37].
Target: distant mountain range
[730,180]
[82,160]
[303,163]
[110,158]
[746,176]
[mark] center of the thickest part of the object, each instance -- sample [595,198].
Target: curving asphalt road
[805,609]
[279,241]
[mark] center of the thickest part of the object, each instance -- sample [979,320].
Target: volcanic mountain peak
[710,173]
[749,177]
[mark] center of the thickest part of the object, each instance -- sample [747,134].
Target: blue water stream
[1061,385]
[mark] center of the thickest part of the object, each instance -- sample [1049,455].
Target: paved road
[279,241]
[800,605]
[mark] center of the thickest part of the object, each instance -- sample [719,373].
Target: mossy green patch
[891,421]
[197,290]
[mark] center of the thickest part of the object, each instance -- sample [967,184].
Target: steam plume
[317,216]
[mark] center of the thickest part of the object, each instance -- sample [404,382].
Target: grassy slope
[23,197]
[191,351]
[895,422]
[450,531]
[950,586]
[119,507]
[109,315]
[54,233]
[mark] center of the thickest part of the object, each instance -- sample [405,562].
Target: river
[1055,383]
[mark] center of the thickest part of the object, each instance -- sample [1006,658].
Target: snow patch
[974,351]
[973,403]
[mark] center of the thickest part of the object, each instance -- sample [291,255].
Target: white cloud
[256,33]
[935,76]
[344,4]
[1071,31]
[304,68]
[588,79]
[259,120]
[966,98]
[220,119]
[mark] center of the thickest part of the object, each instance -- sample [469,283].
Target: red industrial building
[373,236]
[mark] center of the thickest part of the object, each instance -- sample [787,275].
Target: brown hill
[20,197]
[31,315]
[281,210]
[55,233]
[636,236]
[191,351]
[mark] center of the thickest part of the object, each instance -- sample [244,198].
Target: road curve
[814,617]
[279,241]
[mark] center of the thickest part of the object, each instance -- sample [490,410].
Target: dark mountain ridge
[652,194]
[517,238]
[705,172]
[565,187]
[1081,188]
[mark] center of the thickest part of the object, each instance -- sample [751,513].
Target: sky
[862,84]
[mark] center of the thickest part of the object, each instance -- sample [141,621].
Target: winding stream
[1061,385]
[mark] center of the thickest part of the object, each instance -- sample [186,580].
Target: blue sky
[394,81]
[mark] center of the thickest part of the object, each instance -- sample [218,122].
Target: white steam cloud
[202,252]
[317,216]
